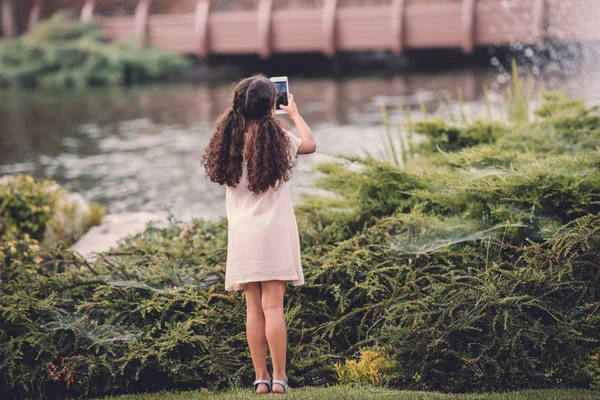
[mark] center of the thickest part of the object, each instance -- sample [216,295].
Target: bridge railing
[206,27]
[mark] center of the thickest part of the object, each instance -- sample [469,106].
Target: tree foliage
[60,52]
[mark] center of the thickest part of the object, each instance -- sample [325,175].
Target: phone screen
[282,94]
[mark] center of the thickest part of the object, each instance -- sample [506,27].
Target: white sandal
[284,384]
[259,381]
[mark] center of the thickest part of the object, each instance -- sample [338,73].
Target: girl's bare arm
[308,141]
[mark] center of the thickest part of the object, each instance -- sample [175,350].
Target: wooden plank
[428,9]
[265,11]
[167,20]
[398,40]
[87,12]
[118,27]
[366,30]
[201,27]
[329,27]
[297,31]
[436,28]
[174,32]
[233,32]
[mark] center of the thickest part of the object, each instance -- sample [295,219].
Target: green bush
[450,137]
[524,321]
[370,369]
[539,195]
[592,367]
[154,314]
[95,216]
[42,211]
[60,52]
[26,207]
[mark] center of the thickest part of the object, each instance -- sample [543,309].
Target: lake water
[139,148]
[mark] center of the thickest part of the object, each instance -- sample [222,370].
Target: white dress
[263,242]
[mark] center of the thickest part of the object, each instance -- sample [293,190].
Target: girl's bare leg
[255,331]
[272,306]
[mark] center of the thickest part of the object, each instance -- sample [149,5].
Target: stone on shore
[114,228]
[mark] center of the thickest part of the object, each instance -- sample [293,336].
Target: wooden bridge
[264,27]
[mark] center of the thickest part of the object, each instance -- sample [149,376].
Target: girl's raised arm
[308,141]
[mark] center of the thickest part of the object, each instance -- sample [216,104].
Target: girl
[251,153]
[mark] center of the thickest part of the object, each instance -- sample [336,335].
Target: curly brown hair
[249,131]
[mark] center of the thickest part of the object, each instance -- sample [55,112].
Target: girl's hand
[291,108]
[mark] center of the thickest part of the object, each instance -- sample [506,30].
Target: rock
[69,220]
[6,179]
[114,228]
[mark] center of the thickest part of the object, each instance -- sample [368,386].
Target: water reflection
[138,149]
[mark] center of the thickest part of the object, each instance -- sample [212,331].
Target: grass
[344,392]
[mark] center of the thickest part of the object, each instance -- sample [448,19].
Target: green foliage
[61,52]
[570,120]
[449,137]
[369,369]
[513,321]
[518,97]
[379,189]
[26,207]
[475,268]
[539,195]
[592,367]
[154,313]
[509,298]
[565,126]
[94,217]
[43,211]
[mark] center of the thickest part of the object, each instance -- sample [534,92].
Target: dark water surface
[139,148]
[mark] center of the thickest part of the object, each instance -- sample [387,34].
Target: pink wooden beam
[329,27]
[539,22]
[9,22]
[87,12]
[34,13]
[265,12]
[468,22]
[398,40]
[142,11]
[201,27]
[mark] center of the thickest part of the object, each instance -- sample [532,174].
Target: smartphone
[283,92]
